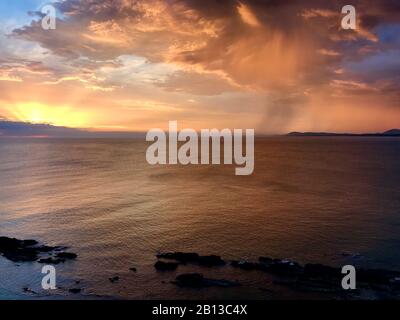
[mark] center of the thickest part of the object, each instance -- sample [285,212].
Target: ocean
[331,200]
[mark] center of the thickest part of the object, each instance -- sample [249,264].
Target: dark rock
[21,255]
[279,267]
[28,243]
[245,265]
[44,248]
[379,287]
[114,279]
[66,255]
[60,257]
[9,244]
[284,267]
[51,261]
[193,280]
[165,266]
[267,260]
[321,271]
[353,256]
[27,250]
[376,276]
[311,277]
[133,269]
[180,256]
[197,280]
[18,250]
[75,290]
[221,283]
[211,260]
[307,285]
[395,281]
[29,290]
[346,254]
[192,257]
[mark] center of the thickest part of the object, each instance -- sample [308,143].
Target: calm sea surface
[309,199]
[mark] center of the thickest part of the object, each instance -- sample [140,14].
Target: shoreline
[191,271]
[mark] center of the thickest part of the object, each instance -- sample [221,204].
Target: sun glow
[39,113]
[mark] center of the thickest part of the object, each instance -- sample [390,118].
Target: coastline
[190,271]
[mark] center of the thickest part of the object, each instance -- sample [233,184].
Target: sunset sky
[132,65]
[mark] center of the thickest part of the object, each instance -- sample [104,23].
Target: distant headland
[389,133]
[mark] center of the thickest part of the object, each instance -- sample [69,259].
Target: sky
[133,65]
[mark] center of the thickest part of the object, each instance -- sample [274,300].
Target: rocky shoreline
[17,250]
[284,272]
[288,273]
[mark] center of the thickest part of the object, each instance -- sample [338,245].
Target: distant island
[20,129]
[389,133]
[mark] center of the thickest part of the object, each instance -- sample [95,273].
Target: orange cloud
[277,65]
[247,15]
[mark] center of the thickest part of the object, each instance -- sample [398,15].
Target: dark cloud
[277,47]
[197,84]
[212,35]
[281,110]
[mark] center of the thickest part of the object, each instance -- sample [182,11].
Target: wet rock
[8,244]
[355,256]
[29,290]
[75,290]
[192,280]
[303,284]
[211,260]
[311,277]
[114,279]
[192,257]
[283,267]
[51,261]
[266,260]
[180,256]
[29,250]
[21,255]
[19,250]
[221,283]
[165,266]
[379,287]
[44,248]
[197,280]
[66,255]
[395,284]
[321,271]
[377,276]
[245,265]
